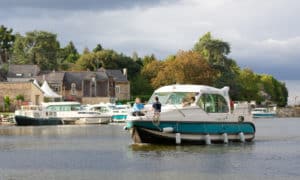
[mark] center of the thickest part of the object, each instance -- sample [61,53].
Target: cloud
[76,4]
[264,35]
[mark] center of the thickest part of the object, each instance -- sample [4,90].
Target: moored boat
[263,113]
[58,113]
[118,113]
[208,119]
[33,115]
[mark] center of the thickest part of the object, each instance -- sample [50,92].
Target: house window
[73,89]
[117,89]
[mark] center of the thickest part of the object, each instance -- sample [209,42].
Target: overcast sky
[264,34]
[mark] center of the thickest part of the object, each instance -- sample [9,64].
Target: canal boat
[59,113]
[73,113]
[33,115]
[263,112]
[118,113]
[209,118]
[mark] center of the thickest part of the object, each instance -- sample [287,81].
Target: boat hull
[190,132]
[119,118]
[263,115]
[29,121]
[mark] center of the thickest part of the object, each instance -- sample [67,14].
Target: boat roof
[193,88]
[59,103]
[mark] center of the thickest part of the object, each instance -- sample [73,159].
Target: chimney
[125,72]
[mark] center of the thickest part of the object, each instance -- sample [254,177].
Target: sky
[264,34]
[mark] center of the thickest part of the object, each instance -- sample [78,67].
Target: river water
[105,152]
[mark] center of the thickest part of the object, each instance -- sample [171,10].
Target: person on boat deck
[189,102]
[138,107]
[156,106]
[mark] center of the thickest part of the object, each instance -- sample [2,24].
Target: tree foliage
[98,48]
[7,39]
[108,59]
[37,47]
[186,67]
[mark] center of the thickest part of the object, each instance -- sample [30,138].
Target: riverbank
[288,112]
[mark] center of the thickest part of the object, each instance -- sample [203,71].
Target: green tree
[98,48]
[7,39]
[108,59]
[37,47]
[148,59]
[214,50]
[250,86]
[67,56]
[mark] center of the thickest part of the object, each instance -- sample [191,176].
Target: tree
[7,39]
[214,50]
[250,87]
[67,56]
[108,59]
[188,67]
[148,59]
[37,47]
[98,48]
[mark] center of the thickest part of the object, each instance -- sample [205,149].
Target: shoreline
[288,112]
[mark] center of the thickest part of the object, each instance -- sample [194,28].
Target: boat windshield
[172,97]
[73,107]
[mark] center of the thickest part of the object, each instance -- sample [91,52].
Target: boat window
[172,97]
[63,108]
[213,103]
[101,109]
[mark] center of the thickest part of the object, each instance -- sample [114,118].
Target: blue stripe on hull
[198,127]
[263,115]
[119,117]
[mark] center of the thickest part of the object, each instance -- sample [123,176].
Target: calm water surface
[106,152]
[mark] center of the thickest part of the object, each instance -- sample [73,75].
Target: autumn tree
[187,67]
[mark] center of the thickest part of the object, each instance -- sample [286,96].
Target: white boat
[32,115]
[118,113]
[263,112]
[67,112]
[208,120]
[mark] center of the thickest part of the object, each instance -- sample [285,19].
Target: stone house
[31,93]
[122,85]
[88,87]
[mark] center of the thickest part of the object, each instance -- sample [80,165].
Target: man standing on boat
[156,106]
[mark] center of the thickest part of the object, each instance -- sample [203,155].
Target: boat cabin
[211,100]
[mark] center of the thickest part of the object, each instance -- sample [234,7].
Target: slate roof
[23,71]
[51,77]
[117,75]
[78,77]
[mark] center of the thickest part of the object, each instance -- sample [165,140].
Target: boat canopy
[193,88]
[177,94]
[48,92]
